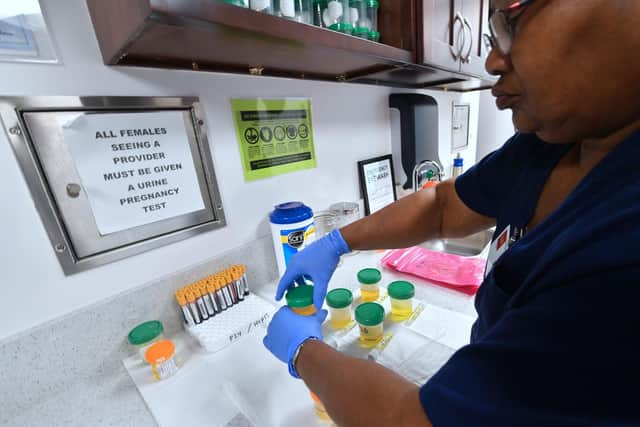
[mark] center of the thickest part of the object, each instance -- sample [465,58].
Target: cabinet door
[474,53]
[440,33]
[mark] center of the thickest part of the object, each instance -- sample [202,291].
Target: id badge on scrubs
[498,247]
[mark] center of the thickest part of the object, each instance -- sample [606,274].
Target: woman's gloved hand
[288,330]
[317,261]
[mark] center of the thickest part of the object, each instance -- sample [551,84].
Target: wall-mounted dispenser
[414,124]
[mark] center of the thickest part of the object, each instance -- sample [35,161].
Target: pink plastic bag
[451,271]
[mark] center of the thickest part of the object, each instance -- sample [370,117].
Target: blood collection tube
[184,306]
[202,284]
[211,289]
[191,299]
[237,280]
[201,307]
[220,293]
[231,285]
[243,274]
[225,289]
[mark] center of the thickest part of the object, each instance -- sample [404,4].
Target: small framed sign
[376,183]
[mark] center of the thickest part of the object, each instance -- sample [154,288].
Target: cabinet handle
[455,48]
[467,57]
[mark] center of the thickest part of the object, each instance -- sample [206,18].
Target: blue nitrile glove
[288,330]
[317,261]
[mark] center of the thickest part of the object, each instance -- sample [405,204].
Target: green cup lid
[300,296]
[401,290]
[369,276]
[370,314]
[339,298]
[145,332]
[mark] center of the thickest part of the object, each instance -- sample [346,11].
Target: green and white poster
[275,136]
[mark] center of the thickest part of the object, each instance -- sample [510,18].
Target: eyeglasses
[502,26]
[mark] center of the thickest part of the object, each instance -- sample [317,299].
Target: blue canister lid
[290,213]
[457,162]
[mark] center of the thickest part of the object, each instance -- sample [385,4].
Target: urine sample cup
[370,318]
[161,357]
[369,278]
[401,294]
[144,335]
[300,300]
[339,302]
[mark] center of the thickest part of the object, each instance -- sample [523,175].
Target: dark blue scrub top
[556,340]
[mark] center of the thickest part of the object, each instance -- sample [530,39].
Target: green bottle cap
[240,3]
[145,332]
[361,32]
[300,296]
[342,27]
[373,3]
[401,290]
[370,314]
[339,298]
[369,276]
[374,35]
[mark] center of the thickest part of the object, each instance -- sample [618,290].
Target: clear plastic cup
[339,302]
[369,279]
[325,222]
[144,335]
[401,294]
[300,300]
[370,318]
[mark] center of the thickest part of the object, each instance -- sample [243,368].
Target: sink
[472,245]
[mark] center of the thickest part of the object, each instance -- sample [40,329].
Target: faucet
[422,169]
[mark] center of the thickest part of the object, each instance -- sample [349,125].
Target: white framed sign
[136,168]
[112,177]
[376,183]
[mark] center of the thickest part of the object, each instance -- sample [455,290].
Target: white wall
[351,122]
[495,126]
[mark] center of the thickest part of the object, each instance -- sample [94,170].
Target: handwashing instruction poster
[275,136]
[136,168]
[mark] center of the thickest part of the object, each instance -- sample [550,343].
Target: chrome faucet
[421,170]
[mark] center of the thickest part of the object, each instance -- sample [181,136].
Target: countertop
[116,401]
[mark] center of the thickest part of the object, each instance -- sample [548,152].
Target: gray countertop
[98,390]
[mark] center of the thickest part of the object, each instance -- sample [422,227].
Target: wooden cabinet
[417,46]
[450,35]
[475,16]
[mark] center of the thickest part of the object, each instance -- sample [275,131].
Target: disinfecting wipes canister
[292,230]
